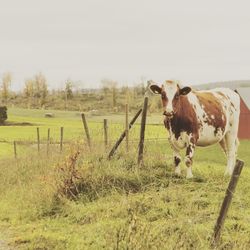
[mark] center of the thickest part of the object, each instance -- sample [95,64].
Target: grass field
[73,128]
[80,200]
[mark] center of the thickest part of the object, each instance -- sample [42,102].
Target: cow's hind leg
[189,159]
[232,145]
[223,145]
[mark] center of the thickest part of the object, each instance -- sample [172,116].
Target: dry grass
[80,200]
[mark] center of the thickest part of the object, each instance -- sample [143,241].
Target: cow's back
[217,112]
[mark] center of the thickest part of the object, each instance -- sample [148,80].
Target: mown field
[79,200]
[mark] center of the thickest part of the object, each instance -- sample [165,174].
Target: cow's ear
[155,89]
[185,90]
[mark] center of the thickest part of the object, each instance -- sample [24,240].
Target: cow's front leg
[177,161]
[189,159]
[177,157]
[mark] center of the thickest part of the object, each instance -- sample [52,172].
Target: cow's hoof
[189,176]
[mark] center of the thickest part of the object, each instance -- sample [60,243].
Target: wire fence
[41,137]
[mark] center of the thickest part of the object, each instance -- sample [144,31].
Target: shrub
[3,114]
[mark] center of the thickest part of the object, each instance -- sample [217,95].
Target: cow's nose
[168,114]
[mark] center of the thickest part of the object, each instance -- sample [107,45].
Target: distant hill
[229,84]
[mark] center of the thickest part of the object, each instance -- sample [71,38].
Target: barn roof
[245,95]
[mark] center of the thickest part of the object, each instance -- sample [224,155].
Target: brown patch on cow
[164,99]
[169,81]
[216,130]
[232,105]
[177,161]
[166,123]
[221,94]
[192,141]
[214,110]
[185,119]
[189,158]
[189,150]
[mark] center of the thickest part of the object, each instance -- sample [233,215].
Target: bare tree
[29,90]
[69,89]
[105,86]
[40,88]
[114,94]
[110,85]
[6,83]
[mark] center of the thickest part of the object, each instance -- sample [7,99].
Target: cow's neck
[184,120]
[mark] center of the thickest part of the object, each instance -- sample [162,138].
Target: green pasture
[71,201]
[23,123]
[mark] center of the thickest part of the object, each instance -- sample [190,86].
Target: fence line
[48,141]
[15,152]
[105,127]
[142,131]
[61,139]
[86,129]
[25,142]
[227,201]
[126,127]
[118,142]
[38,139]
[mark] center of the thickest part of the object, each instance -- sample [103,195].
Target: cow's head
[171,93]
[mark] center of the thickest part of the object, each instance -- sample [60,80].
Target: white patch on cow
[178,170]
[170,87]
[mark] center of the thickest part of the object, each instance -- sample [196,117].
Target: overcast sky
[87,40]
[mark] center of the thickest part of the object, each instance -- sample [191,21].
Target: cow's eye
[176,97]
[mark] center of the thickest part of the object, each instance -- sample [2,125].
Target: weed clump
[68,176]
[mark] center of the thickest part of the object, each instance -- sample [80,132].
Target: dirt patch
[4,246]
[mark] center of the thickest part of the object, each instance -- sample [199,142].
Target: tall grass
[80,200]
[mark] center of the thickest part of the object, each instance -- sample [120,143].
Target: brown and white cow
[199,118]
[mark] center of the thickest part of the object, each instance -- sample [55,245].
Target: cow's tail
[236,91]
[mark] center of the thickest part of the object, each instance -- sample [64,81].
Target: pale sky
[195,41]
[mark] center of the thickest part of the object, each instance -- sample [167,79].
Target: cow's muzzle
[169,115]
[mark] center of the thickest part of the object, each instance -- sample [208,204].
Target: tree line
[37,94]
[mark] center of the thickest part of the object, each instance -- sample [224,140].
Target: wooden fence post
[227,201]
[38,139]
[48,141]
[86,129]
[142,132]
[15,153]
[61,139]
[118,142]
[105,126]
[126,127]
